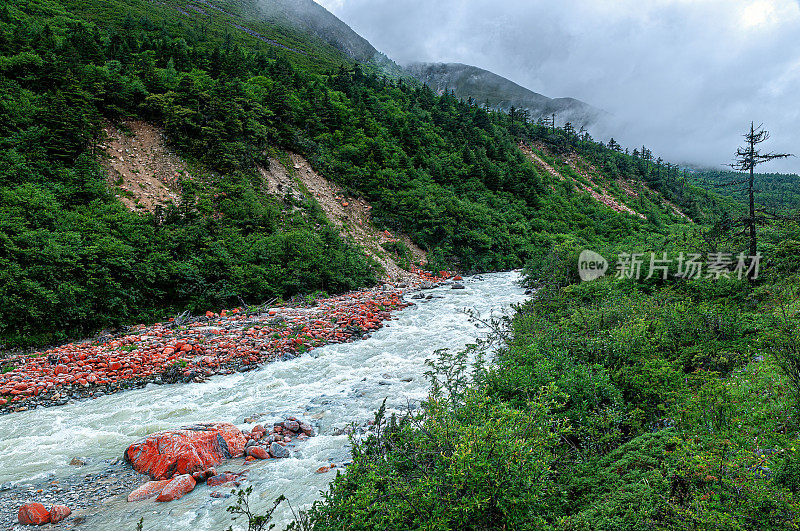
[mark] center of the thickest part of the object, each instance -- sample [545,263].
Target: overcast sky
[684,77]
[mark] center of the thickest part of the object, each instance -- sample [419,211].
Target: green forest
[776,192]
[614,404]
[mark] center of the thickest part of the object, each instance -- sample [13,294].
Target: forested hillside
[444,171]
[777,192]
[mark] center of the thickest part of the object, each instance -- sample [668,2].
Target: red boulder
[148,490]
[258,452]
[177,488]
[221,479]
[33,514]
[185,451]
[58,513]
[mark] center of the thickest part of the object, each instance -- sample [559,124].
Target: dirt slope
[593,177]
[350,215]
[141,166]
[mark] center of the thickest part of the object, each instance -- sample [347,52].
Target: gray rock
[278,451]
[292,425]
[458,286]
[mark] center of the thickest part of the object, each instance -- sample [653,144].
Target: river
[331,388]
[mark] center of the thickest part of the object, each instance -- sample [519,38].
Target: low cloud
[684,77]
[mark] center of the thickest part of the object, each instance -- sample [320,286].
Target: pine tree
[747,158]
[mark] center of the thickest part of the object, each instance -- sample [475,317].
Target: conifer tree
[747,158]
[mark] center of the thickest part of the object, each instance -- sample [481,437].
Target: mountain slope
[483,86]
[309,17]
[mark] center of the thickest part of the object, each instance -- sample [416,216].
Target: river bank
[196,348]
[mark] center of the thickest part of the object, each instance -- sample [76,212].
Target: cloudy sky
[684,77]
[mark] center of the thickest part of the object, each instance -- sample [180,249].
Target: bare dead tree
[747,158]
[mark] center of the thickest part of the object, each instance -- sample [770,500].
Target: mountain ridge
[501,93]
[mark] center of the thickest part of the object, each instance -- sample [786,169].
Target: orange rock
[258,452]
[185,451]
[221,479]
[148,490]
[177,488]
[33,514]
[58,513]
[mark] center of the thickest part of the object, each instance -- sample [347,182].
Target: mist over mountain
[683,78]
[310,17]
[500,93]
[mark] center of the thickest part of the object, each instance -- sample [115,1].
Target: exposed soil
[141,166]
[592,176]
[350,215]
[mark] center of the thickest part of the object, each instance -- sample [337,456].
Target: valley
[253,272]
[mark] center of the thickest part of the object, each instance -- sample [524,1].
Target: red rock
[177,488]
[221,479]
[185,451]
[33,514]
[58,513]
[258,452]
[114,366]
[323,469]
[148,490]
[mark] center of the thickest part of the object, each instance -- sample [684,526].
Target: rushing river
[331,388]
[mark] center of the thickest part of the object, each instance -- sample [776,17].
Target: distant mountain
[470,81]
[310,17]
